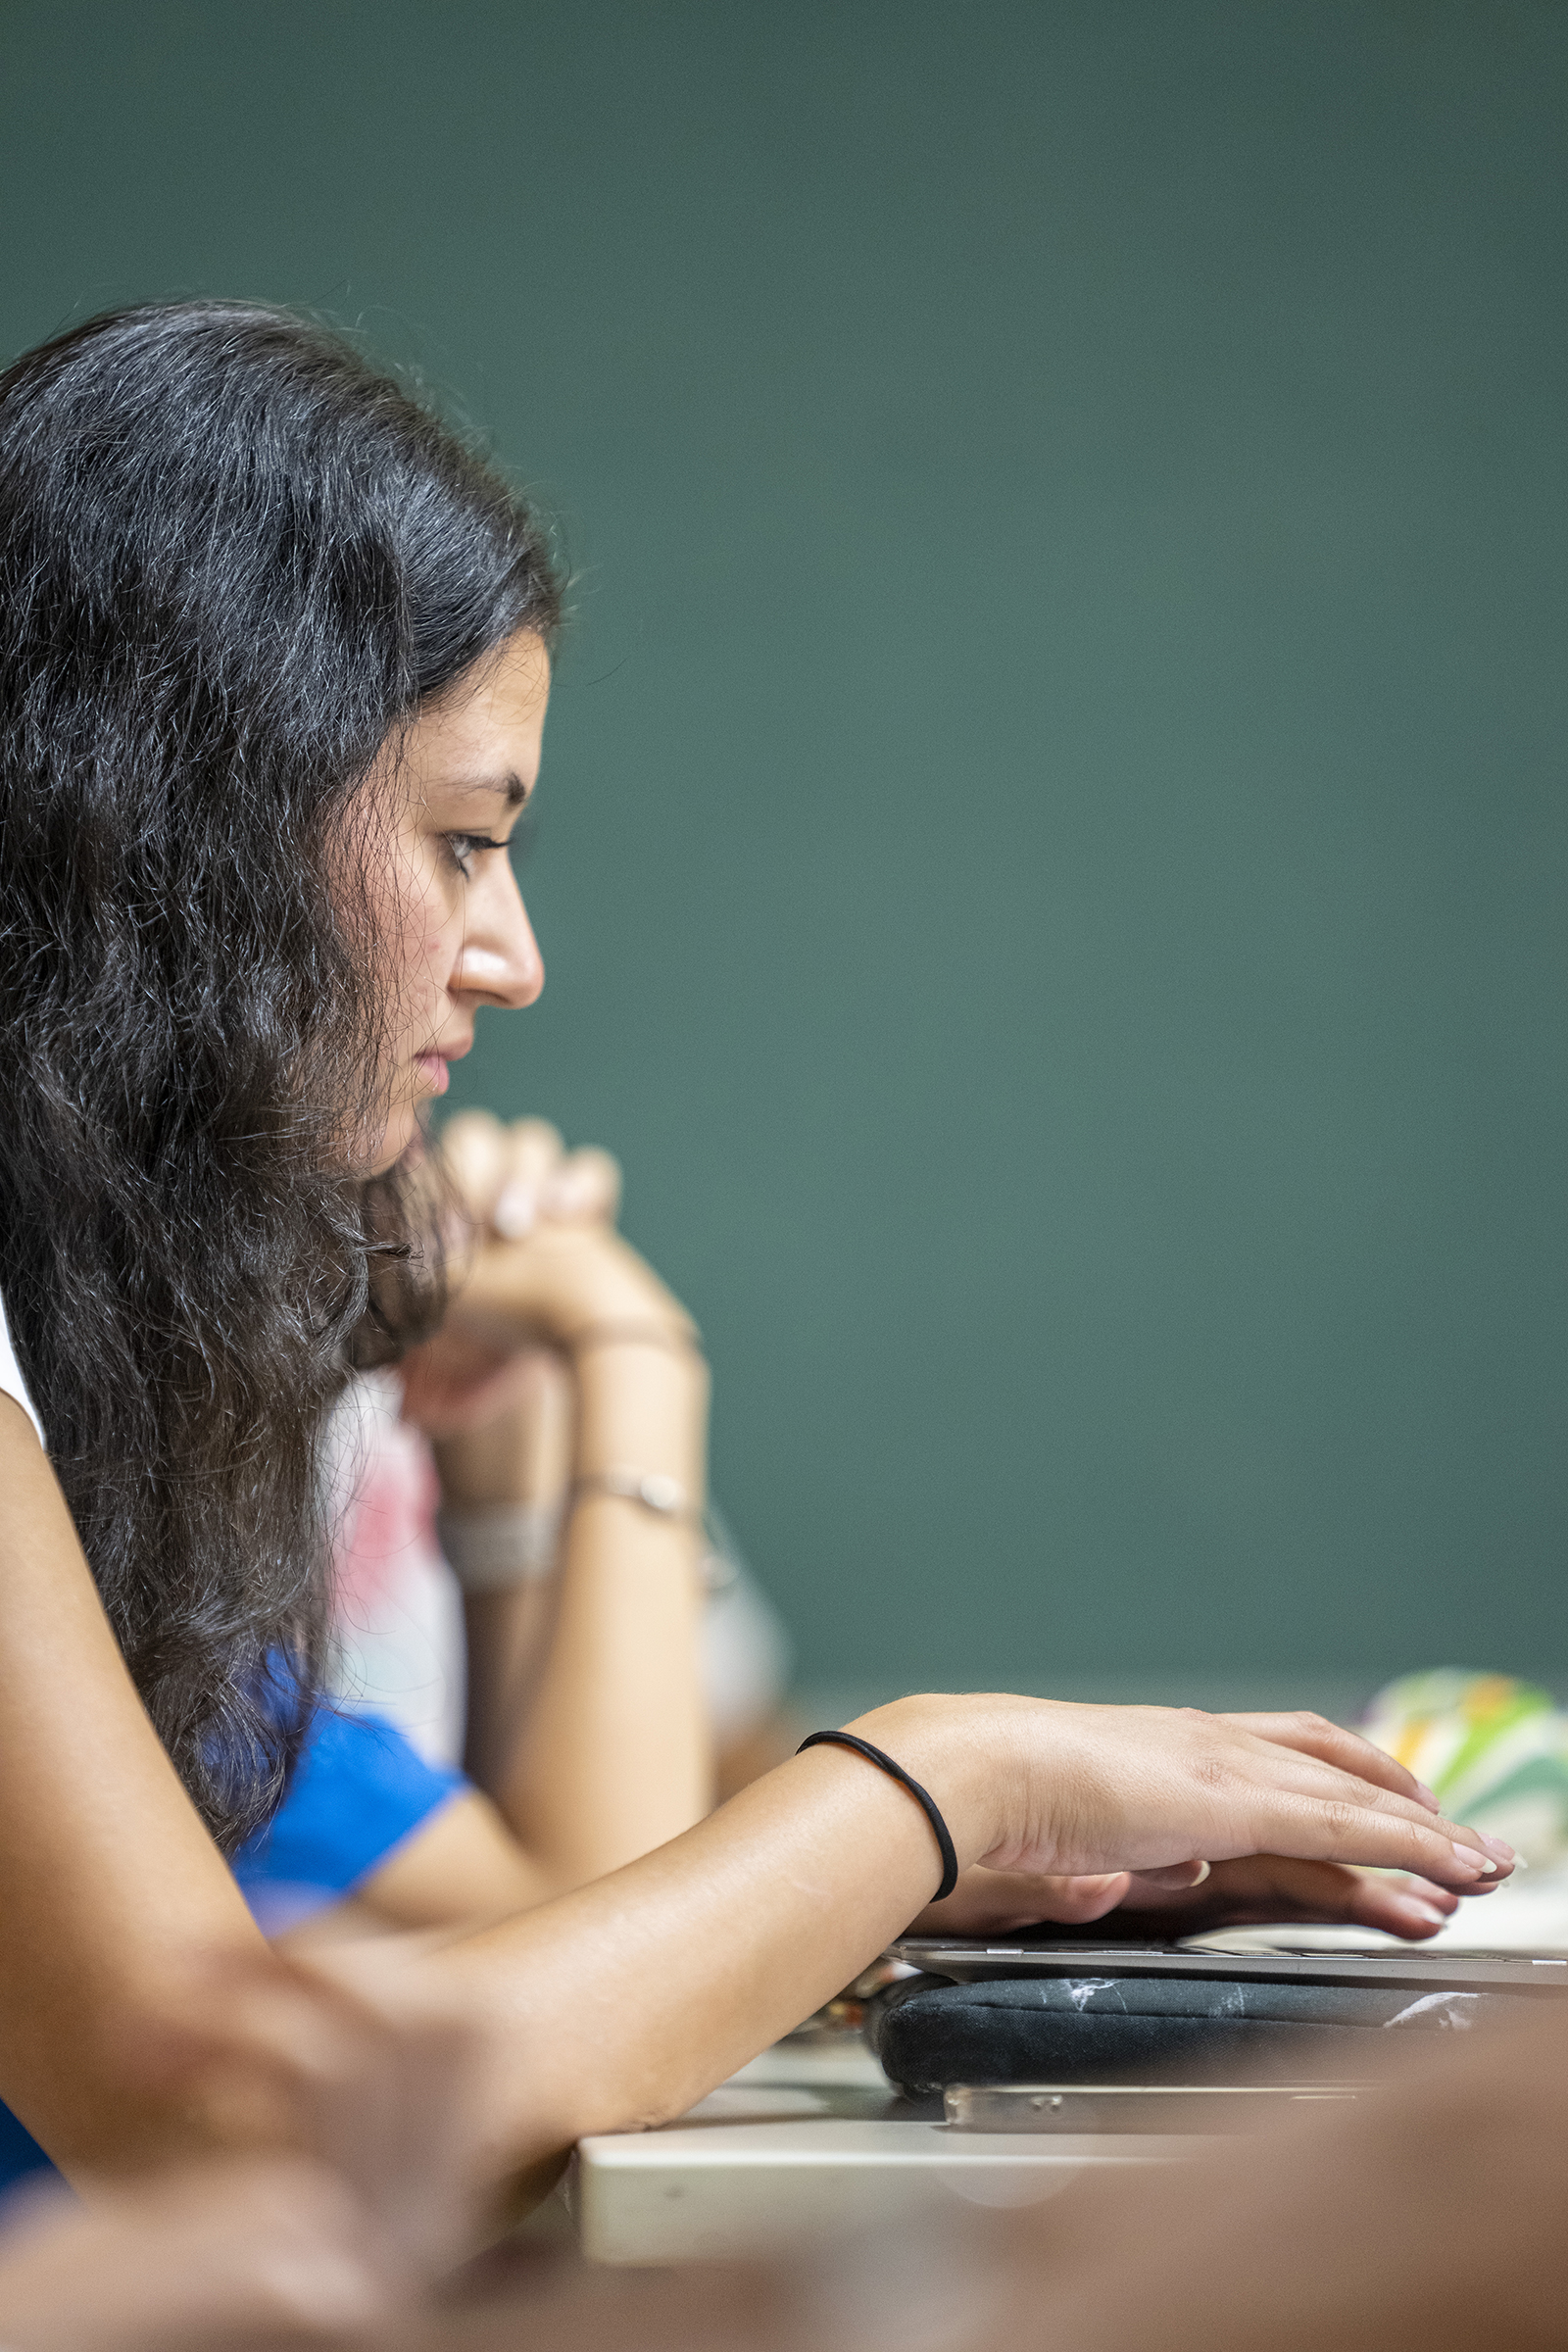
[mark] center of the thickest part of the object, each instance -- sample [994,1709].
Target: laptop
[975,1959]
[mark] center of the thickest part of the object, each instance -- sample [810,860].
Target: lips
[431,1065]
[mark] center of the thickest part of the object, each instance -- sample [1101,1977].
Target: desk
[806,2141]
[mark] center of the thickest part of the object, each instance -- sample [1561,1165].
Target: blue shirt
[357,1791]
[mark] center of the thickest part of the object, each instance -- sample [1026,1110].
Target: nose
[499,962]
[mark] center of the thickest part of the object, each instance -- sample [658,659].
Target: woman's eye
[466,847]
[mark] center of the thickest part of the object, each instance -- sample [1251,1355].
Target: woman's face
[456,932]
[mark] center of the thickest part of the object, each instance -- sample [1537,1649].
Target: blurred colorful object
[1494,1749]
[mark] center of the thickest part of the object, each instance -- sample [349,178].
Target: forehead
[488,727]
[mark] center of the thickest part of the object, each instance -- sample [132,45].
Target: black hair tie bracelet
[895,1772]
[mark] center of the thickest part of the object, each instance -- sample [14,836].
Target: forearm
[618,2005]
[517,1461]
[614,1755]
[588,1723]
[507,1642]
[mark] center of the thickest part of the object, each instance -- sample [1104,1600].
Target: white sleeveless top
[11,1383]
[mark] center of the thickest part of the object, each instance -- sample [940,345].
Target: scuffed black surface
[1098,2029]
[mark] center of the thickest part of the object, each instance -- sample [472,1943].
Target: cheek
[428,941]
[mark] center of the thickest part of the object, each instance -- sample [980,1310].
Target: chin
[401,1137]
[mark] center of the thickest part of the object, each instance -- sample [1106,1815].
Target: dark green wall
[1053,860]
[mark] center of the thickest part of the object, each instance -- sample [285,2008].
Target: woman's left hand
[1255,1891]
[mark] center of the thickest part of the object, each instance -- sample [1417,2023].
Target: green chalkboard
[1054,854]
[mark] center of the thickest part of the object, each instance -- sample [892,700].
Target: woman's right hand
[1045,1788]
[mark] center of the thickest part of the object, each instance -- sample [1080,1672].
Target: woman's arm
[587,1723]
[619,2004]
[517,1460]
[587,1718]
[591,1735]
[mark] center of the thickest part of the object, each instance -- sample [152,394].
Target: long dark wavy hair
[234,557]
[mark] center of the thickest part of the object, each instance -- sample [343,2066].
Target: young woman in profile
[274,655]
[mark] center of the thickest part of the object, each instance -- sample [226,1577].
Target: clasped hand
[537,1268]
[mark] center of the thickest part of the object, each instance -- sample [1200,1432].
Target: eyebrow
[512,788]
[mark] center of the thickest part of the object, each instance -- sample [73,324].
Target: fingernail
[1471,1861]
[516,1213]
[1497,1845]
[1428,1796]
[1424,1912]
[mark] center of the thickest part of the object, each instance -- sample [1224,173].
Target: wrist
[942,1741]
[565,1280]
[645,1410]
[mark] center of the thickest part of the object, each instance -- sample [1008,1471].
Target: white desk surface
[806,2141]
